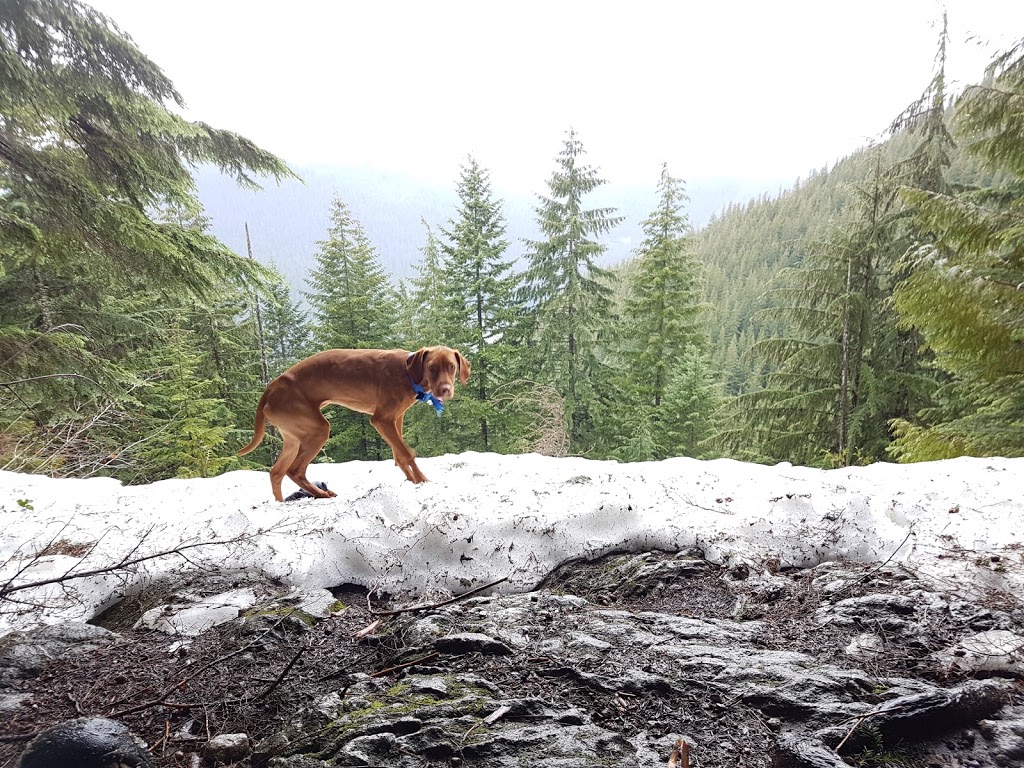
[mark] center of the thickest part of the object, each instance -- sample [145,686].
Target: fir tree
[354,307]
[285,326]
[565,292]
[483,288]
[432,319]
[662,330]
[963,292]
[91,153]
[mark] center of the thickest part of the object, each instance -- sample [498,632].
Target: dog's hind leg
[288,453]
[314,438]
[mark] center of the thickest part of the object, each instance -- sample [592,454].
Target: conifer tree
[565,294]
[183,420]
[483,289]
[963,292]
[433,320]
[818,375]
[437,316]
[354,307]
[846,369]
[91,150]
[285,325]
[662,330]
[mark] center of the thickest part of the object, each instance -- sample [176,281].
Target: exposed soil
[254,676]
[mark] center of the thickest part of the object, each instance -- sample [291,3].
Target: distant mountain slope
[286,220]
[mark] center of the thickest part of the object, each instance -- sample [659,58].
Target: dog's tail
[259,428]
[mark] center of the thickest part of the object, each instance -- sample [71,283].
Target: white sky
[486,516]
[747,89]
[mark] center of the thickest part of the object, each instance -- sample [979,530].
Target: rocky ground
[617,662]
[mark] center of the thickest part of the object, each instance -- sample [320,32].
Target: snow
[486,516]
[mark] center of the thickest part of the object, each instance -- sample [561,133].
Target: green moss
[400,701]
[282,611]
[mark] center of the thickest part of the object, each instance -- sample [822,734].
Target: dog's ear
[463,365]
[415,363]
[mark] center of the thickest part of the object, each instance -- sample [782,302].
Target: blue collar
[422,396]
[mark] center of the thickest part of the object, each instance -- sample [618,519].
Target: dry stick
[430,606]
[367,629]
[277,682]
[162,739]
[6,590]
[880,567]
[861,718]
[849,733]
[414,662]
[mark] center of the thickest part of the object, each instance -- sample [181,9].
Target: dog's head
[436,368]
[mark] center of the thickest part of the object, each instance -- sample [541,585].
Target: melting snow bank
[489,516]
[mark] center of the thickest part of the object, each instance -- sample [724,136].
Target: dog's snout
[446,390]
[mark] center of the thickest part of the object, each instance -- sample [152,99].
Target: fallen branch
[430,606]
[491,719]
[875,570]
[126,562]
[266,691]
[368,629]
[397,667]
[861,718]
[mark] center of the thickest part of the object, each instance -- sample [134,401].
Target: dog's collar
[422,396]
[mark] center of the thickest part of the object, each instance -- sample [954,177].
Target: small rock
[227,748]
[471,642]
[865,647]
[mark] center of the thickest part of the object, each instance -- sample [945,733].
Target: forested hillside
[747,246]
[874,312]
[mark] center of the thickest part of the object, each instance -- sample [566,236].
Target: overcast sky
[754,90]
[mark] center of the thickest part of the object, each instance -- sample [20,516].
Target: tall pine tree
[92,150]
[963,293]
[354,307]
[483,288]
[565,294]
[662,332]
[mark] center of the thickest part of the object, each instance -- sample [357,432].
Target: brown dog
[382,383]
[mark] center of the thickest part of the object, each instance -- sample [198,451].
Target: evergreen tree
[847,370]
[285,326]
[436,317]
[963,292]
[483,288]
[565,292]
[90,153]
[182,418]
[817,380]
[433,320]
[662,330]
[354,307]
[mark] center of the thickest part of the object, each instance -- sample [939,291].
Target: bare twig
[266,691]
[367,629]
[397,667]
[430,606]
[873,571]
[125,562]
[861,718]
